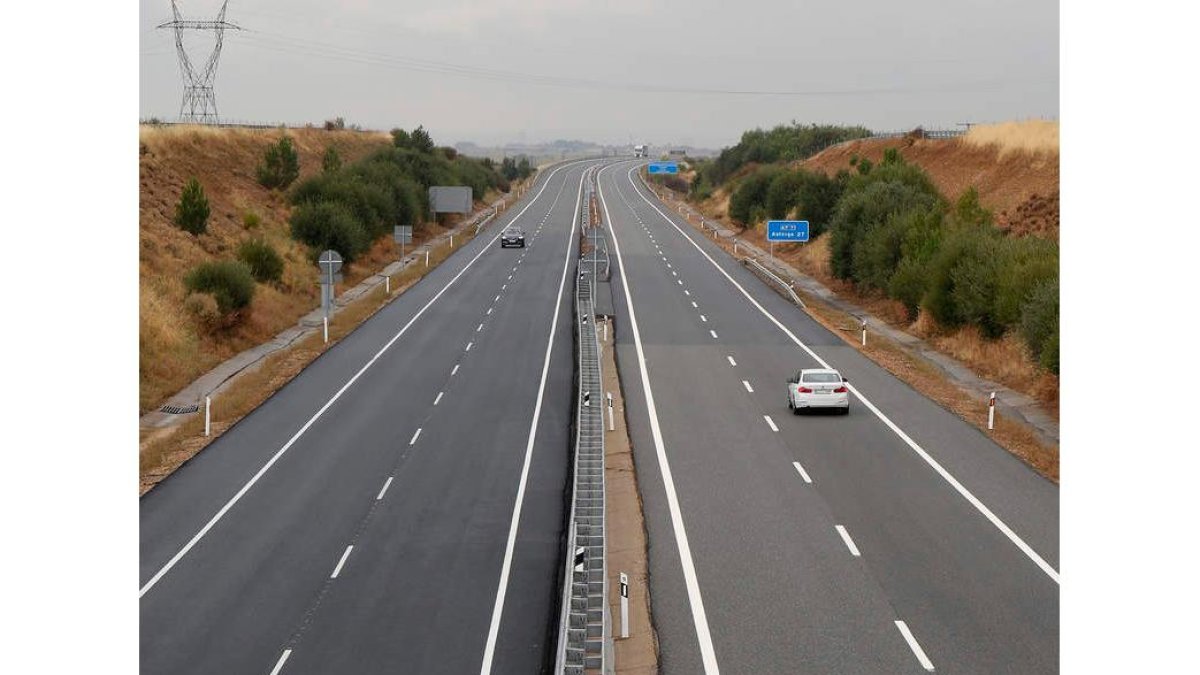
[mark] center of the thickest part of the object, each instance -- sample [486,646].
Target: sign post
[992,411]
[786,230]
[403,235]
[624,605]
[330,263]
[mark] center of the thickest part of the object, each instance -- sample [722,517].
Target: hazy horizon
[621,72]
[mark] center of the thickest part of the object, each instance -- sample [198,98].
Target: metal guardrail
[774,277]
[585,628]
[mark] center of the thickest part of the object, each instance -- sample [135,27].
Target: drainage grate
[179,409]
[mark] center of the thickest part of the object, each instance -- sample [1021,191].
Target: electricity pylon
[199,102]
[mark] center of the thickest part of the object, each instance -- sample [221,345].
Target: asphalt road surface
[897,539]
[399,506]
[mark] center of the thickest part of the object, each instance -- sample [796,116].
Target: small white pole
[325,327]
[864,330]
[735,248]
[451,241]
[611,424]
[207,415]
[427,258]
[605,339]
[624,605]
[992,411]
[387,283]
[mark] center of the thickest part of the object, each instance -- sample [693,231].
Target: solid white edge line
[341,561]
[946,475]
[731,361]
[502,590]
[439,397]
[746,384]
[415,437]
[317,415]
[914,646]
[849,542]
[282,660]
[803,473]
[770,423]
[383,490]
[699,616]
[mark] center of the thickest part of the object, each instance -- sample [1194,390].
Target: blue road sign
[787,230]
[663,167]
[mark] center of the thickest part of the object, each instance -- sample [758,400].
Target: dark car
[512,236]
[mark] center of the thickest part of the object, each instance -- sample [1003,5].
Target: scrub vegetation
[885,229]
[231,221]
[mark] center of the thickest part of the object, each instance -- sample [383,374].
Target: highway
[399,506]
[898,539]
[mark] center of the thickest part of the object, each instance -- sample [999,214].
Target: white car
[818,388]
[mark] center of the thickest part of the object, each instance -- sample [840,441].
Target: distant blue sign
[663,167]
[787,230]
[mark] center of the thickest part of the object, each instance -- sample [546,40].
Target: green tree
[524,168]
[421,140]
[332,160]
[192,211]
[401,139]
[329,225]
[281,165]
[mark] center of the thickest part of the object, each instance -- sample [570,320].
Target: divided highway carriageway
[399,506]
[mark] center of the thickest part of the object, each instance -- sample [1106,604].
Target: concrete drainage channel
[585,627]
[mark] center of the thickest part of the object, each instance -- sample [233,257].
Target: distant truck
[641,150]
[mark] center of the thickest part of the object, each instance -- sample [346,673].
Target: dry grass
[1030,136]
[1010,434]
[164,451]
[176,347]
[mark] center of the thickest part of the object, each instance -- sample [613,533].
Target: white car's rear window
[820,377]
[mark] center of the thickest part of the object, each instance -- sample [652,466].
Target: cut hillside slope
[1013,166]
[175,346]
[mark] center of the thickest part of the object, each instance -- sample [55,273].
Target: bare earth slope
[1015,177]
[176,347]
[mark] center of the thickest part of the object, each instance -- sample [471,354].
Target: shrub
[229,282]
[251,220]
[782,143]
[818,198]
[332,161]
[335,124]
[1039,324]
[1028,262]
[191,213]
[783,193]
[751,193]
[866,206]
[329,225]
[421,141]
[281,165]
[864,166]
[266,265]
[204,307]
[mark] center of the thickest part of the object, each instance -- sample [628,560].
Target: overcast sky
[615,71]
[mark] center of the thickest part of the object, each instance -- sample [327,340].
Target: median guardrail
[585,628]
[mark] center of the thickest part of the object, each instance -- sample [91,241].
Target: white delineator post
[611,424]
[207,415]
[325,328]
[451,241]
[624,605]
[864,330]
[387,283]
[992,411]
[427,258]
